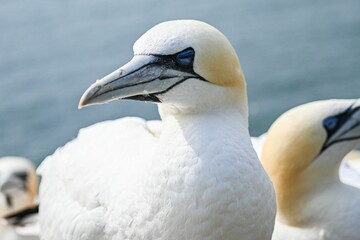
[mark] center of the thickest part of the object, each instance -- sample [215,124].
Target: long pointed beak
[143,78]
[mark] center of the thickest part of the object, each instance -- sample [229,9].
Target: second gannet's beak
[144,78]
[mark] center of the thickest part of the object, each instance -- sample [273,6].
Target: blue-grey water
[292,52]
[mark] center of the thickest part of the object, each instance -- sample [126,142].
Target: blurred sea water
[51,51]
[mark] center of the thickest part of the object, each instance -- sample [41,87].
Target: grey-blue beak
[144,78]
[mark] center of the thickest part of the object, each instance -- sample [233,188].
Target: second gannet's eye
[186,57]
[331,123]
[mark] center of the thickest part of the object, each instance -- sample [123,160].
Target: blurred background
[51,51]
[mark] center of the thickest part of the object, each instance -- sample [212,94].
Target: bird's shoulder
[105,141]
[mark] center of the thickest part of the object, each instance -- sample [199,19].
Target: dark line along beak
[346,132]
[18,217]
[143,78]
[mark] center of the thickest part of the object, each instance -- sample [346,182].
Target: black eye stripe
[172,61]
[353,110]
[22,175]
[182,60]
[340,121]
[340,118]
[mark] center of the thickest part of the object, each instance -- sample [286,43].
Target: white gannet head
[184,65]
[18,185]
[305,146]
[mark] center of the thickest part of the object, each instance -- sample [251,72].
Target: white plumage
[193,176]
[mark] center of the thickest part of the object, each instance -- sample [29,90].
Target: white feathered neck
[204,173]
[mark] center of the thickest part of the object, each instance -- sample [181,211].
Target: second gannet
[18,185]
[302,153]
[18,193]
[197,178]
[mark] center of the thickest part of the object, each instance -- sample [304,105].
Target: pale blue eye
[331,123]
[185,57]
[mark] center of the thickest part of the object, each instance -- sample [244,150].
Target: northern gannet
[197,178]
[18,192]
[302,153]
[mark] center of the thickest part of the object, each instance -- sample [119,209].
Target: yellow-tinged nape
[218,62]
[293,142]
[215,58]
[33,186]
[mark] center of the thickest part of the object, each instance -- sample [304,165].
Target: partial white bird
[353,158]
[350,169]
[258,143]
[195,177]
[18,192]
[302,153]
